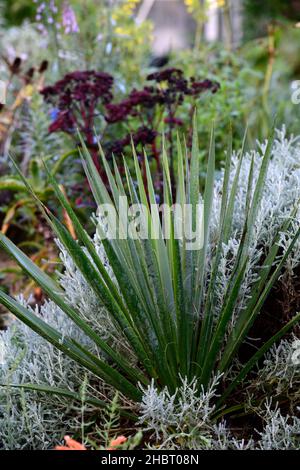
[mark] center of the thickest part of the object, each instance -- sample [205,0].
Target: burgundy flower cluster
[76,99]
[146,98]
[81,96]
[197,87]
[168,92]
[142,136]
[78,96]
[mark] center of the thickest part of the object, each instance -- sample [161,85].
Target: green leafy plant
[22,221]
[21,211]
[161,297]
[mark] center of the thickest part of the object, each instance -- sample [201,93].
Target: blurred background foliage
[16,11]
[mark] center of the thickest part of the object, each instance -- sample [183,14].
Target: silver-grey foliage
[280,432]
[27,419]
[281,193]
[185,421]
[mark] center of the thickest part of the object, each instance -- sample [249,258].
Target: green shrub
[164,311]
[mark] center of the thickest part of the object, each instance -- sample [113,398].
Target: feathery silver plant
[280,371]
[80,295]
[280,432]
[35,420]
[184,417]
[185,421]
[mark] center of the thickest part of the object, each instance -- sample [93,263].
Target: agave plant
[161,297]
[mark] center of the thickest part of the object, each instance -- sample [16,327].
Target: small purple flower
[69,19]
[53,7]
[54,113]
[41,8]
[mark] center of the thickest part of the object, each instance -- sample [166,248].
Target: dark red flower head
[198,87]
[77,97]
[64,123]
[83,86]
[117,112]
